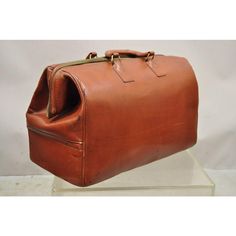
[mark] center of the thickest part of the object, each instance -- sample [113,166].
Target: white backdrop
[214,62]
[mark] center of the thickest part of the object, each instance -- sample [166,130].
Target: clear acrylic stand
[177,175]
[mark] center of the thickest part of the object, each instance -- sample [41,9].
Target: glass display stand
[176,175]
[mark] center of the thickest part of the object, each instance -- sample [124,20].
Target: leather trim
[117,67]
[156,72]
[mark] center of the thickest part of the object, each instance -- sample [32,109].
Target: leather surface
[102,125]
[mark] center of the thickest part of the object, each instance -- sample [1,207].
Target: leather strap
[158,71]
[126,52]
[120,71]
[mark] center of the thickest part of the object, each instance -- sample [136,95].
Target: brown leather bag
[92,119]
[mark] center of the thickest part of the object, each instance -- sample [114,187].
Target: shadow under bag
[92,119]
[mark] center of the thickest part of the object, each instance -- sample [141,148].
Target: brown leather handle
[127,52]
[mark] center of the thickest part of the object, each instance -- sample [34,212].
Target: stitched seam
[68,144]
[54,136]
[153,62]
[152,70]
[124,81]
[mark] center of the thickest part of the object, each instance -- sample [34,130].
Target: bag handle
[127,52]
[91,55]
[117,66]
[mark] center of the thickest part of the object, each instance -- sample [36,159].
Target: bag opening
[64,96]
